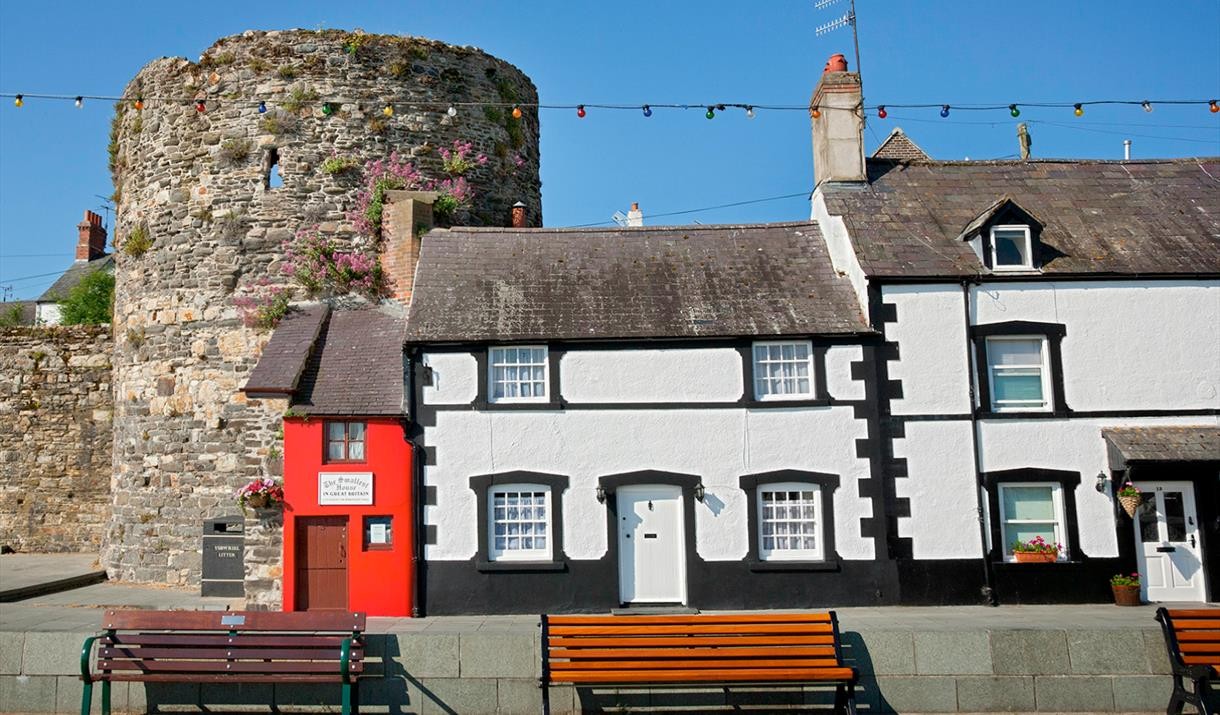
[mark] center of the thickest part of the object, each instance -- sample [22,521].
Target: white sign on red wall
[338,488]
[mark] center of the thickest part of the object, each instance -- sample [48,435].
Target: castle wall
[193,184]
[55,438]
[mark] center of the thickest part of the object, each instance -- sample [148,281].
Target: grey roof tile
[73,276]
[1189,444]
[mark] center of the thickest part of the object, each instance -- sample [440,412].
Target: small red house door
[321,578]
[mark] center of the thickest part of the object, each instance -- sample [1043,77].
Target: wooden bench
[1192,638]
[781,649]
[226,647]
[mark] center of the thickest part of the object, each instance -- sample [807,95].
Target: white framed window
[1018,373]
[1029,510]
[783,370]
[518,374]
[790,522]
[519,522]
[1011,248]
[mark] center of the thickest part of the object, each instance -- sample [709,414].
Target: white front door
[1167,543]
[651,545]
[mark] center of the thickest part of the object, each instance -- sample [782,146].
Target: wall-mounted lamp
[601,494]
[699,491]
[1101,482]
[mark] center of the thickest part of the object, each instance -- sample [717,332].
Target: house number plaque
[338,488]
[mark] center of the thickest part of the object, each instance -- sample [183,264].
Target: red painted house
[348,514]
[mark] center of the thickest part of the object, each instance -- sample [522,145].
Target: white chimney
[635,217]
[1127,149]
[837,114]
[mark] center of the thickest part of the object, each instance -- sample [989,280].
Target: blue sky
[53,156]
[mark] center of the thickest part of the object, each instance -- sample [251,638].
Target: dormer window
[1011,248]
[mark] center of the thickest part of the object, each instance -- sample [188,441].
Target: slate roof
[1149,444]
[1101,217]
[479,284]
[73,276]
[341,362]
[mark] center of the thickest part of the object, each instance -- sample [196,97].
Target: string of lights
[328,107]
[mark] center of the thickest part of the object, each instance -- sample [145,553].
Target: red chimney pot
[836,63]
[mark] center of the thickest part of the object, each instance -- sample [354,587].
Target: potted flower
[1126,589]
[1130,497]
[260,494]
[1036,550]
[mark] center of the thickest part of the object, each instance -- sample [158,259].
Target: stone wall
[191,186]
[55,438]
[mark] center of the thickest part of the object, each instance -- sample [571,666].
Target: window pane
[334,450]
[1029,532]
[334,430]
[1034,503]
[355,451]
[1010,248]
[1147,518]
[1025,388]
[1015,352]
[1175,516]
[355,431]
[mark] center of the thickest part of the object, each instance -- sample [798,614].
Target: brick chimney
[519,215]
[837,114]
[406,217]
[91,243]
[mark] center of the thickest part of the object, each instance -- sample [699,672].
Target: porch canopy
[1162,444]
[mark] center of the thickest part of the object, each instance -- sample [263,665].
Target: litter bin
[224,548]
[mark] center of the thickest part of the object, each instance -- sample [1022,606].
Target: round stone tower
[217,165]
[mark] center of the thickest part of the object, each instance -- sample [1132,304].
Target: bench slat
[221,678]
[691,619]
[692,663]
[670,652]
[643,629]
[726,675]
[240,640]
[198,666]
[1203,636]
[644,641]
[330,654]
[222,620]
[1196,624]
[1175,614]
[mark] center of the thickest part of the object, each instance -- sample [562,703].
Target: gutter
[411,433]
[988,574]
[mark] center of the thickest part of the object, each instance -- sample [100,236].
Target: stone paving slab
[27,575]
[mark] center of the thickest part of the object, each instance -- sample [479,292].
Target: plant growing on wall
[90,302]
[320,266]
[234,150]
[340,164]
[458,161]
[395,173]
[264,306]
[138,242]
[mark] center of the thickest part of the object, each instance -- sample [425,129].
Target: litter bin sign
[224,547]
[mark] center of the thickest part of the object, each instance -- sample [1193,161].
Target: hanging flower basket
[260,494]
[1130,503]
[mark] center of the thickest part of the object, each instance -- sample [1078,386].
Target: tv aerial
[844,20]
[620,218]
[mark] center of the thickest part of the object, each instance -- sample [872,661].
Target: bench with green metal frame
[225,647]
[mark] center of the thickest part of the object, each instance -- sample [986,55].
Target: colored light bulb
[388,111]
[815,113]
[1213,107]
[1078,110]
[262,107]
[711,113]
[647,111]
[139,103]
[881,113]
[18,101]
[1147,106]
[451,111]
[1012,109]
[944,110]
[80,101]
[200,106]
[750,112]
[580,111]
[516,112]
[327,110]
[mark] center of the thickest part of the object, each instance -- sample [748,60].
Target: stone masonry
[193,186]
[55,438]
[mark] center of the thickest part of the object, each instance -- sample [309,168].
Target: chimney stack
[837,113]
[407,216]
[91,243]
[635,217]
[518,215]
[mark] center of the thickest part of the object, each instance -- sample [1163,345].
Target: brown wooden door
[321,555]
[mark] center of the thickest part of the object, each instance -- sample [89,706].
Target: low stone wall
[55,437]
[460,667]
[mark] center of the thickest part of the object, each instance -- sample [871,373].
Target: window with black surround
[791,520]
[520,521]
[519,377]
[1007,237]
[789,372]
[1020,368]
[1030,502]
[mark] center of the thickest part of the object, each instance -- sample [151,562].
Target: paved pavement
[26,575]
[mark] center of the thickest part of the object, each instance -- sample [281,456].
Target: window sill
[548,405]
[535,566]
[1021,564]
[830,565]
[807,402]
[1022,414]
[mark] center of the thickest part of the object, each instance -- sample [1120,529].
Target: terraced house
[869,407]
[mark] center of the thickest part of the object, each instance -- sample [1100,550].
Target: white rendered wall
[1130,345]
[838,372]
[455,379]
[931,337]
[669,375]
[839,246]
[940,484]
[47,314]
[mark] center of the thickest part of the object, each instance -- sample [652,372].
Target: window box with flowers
[1036,551]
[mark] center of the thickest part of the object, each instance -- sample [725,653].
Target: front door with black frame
[1168,548]
[321,556]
